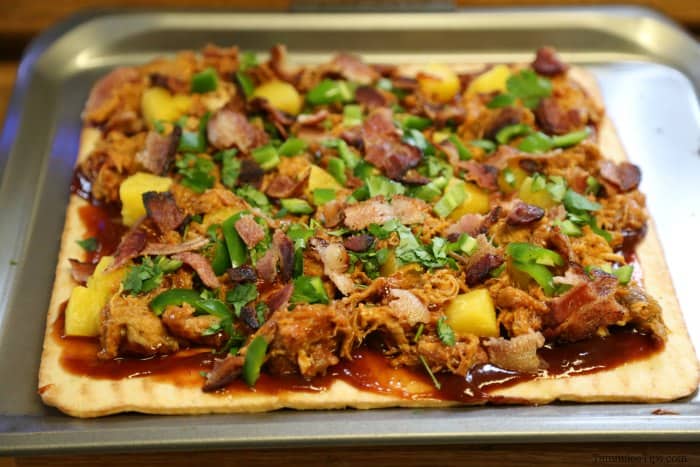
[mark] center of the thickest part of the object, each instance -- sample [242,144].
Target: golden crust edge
[668,375]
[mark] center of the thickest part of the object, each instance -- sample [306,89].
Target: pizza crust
[667,375]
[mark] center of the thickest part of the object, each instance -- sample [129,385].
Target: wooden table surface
[20,21]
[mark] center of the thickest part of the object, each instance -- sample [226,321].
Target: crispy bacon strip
[377,211]
[80,271]
[227,128]
[162,208]
[159,151]
[383,146]
[201,266]
[250,231]
[173,248]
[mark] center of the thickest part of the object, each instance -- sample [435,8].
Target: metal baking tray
[649,70]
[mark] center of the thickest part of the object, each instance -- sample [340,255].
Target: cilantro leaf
[253,196]
[241,296]
[196,172]
[445,332]
[309,289]
[88,244]
[529,87]
[149,274]
[230,168]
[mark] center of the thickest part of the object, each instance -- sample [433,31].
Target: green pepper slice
[570,139]
[529,253]
[330,92]
[234,243]
[174,297]
[221,261]
[292,147]
[296,206]
[206,81]
[254,359]
[195,141]
[539,273]
[509,132]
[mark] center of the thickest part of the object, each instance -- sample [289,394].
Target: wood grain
[401,456]
[21,20]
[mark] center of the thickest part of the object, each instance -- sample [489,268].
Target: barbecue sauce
[369,370]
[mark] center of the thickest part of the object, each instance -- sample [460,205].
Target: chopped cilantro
[196,172]
[88,244]
[445,332]
[253,196]
[230,168]
[309,289]
[241,296]
[148,275]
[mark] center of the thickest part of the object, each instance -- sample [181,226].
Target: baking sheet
[650,74]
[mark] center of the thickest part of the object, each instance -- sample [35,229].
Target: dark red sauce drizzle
[369,370]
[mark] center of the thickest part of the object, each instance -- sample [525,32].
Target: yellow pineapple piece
[476,201]
[86,303]
[157,104]
[281,95]
[439,82]
[132,190]
[493,80]
[473,313]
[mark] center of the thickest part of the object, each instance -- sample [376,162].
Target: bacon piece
[473,224]
[283,186]
[312,119]
[625,176]
[104,89]
[159,151]
[358,243]
[377,211]
[285,252]
[201,266]
[335,264]
[584,309]
[227,128]
[81,272]
[161,207]
[412,177]
[131,245]
[370,97]
[250,231]
[281,120]
[266,267]
[251,172]
[547,62]
[554,119]
[173,248]
[278,300]
[484,175]
[242,274]
[250,317]
[332,213]
[479,271]
[517,353]
[126,121]
[169,82]
[313,135]
[278,64]
[523,214]
[224,372]
[353,136]
[383,146]
[352,68]
[407,307]
[443,113]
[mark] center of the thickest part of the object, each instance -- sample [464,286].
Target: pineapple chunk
[519,176]
[493,80]
[540,197]
[281,95]
[475,202]
[86,303]
[157,104]
[131,194]
[438,82]
[319,178]
[473,313]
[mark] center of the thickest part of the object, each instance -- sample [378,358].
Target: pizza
[246,235]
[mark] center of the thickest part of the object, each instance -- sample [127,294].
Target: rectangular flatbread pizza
[246,235]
